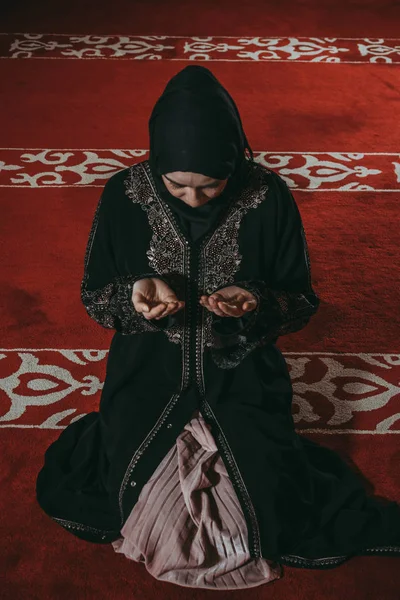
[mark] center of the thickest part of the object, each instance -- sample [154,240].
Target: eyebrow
[198,186]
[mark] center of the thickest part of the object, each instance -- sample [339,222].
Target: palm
[231,301]
[155,294]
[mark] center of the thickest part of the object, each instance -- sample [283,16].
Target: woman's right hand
[154,298]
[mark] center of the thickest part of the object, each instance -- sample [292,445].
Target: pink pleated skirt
[187,526]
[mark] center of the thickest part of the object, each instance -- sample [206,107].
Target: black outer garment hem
[99,536]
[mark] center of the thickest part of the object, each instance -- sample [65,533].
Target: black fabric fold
[106,290]
[285,302]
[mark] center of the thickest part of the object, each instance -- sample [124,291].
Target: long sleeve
[106,288]
[285,299]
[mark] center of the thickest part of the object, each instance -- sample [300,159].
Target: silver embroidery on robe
[166,253]
[111,303]
[220,258]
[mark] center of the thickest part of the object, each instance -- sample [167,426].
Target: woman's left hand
[231,301]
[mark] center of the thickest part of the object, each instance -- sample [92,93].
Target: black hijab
[195,126]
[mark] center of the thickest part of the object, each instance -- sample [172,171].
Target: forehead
[190,179]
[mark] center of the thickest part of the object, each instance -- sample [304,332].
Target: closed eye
[210,186]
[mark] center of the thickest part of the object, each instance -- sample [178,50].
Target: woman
[197,259]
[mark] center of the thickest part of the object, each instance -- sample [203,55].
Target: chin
[198,204]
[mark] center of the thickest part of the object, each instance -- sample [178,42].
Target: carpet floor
[317,85]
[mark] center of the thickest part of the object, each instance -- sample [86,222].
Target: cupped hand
[231,301]
[154,298]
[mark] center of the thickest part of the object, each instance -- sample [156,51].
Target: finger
[180,304]
[172,308]
[155,311]
[213,309]
[170,298]
[249,305]
[140,302]
[175,309]
[230,310]
[141,306]
[214,302]
[215,298]
[204,301]
[213,306]
[216,309]
[168,310]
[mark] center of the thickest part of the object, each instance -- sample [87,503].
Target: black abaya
[302,503]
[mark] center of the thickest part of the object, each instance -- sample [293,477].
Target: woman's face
[193,188]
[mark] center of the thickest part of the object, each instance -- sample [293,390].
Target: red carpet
[317,85]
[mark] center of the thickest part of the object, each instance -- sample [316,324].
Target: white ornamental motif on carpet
[302,171]
[332,393]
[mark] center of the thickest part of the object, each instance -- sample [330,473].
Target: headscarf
[195,126]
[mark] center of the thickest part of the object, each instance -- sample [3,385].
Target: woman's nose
[194,195]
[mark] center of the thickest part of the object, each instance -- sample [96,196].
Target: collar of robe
[195,223]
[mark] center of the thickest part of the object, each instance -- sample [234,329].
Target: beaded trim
[219,260]
[380,549]
[278,313]
[306,254]
[220,257]
[111,306]
[292,559]
[168,253]
[165,253]
[74,526]
[300,561]
[111,303]
[135,458]
[238,480]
